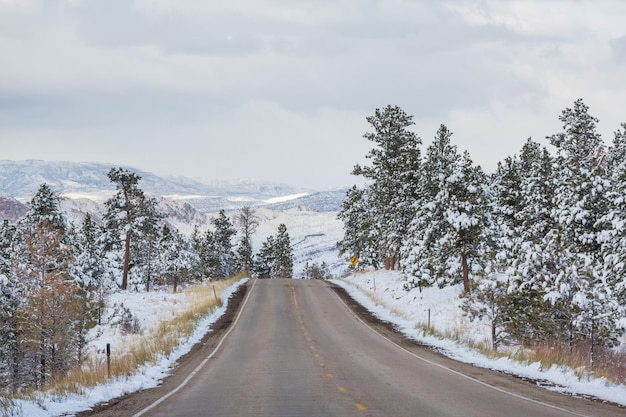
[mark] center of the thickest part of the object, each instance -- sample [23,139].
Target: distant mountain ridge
[186,203]
[21,180]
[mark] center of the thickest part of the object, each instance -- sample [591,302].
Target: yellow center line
[294,300]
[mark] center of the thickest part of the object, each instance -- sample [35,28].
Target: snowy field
[383,294]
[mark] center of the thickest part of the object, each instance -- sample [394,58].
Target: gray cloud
[242,82]
[618,47]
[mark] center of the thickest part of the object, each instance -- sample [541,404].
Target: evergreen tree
[223,235]
[393,176]
[579,289]
[283,254]
[175,257]
[358,225]
[247,221]
[533,224]
[490,301]
[90,267]
[442,161]
[129,211]
[613,240]
[265,259]
[207,262]
[450,234]
[11,299]
[275,258]
[44,206]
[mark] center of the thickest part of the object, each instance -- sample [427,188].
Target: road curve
[296,349]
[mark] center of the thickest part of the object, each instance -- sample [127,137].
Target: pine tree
[533,223]
[275,258]
[175,257]
[580,205]
[223,235]
[394,174]
[283,254]
[44,206]
[451,232]
[128,212]
[247,221]
[358,225]
[207,262]
[442,160]
[613,240]
[91,269]
[265,259]
[11,299]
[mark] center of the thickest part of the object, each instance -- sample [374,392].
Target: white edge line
[493,387]
[201,365]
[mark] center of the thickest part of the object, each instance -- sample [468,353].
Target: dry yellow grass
[143,349]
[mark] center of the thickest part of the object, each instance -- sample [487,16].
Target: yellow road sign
[354,260]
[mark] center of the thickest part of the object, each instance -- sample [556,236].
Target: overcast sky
[279,90]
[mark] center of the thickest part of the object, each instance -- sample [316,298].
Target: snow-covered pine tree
[207,263]
[175,257]
[580,205]
[450,235]
[283,254]
[223,235]
[532,223]
[393,177]
[506,202]
[264,260]
[442,161]
[613,240]
[247,222]
[12,298]
[275,258]
[90,267]
[358,229]
[129,211]
[44,206]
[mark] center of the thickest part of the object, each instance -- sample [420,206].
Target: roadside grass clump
[608,363]
[140,349]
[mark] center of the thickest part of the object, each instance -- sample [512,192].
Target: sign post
[109,360]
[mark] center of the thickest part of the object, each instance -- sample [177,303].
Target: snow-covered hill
[21,179]
[310,217]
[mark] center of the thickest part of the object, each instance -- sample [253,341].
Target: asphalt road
[297,349]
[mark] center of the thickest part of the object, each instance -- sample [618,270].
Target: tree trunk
[466,283]
[126,262]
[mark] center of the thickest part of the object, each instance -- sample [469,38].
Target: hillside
[310,217]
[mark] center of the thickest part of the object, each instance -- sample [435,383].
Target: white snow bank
[406,309]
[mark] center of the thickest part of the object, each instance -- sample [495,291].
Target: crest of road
[298,348]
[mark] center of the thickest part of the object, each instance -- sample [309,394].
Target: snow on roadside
[150,309]
[408,309]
